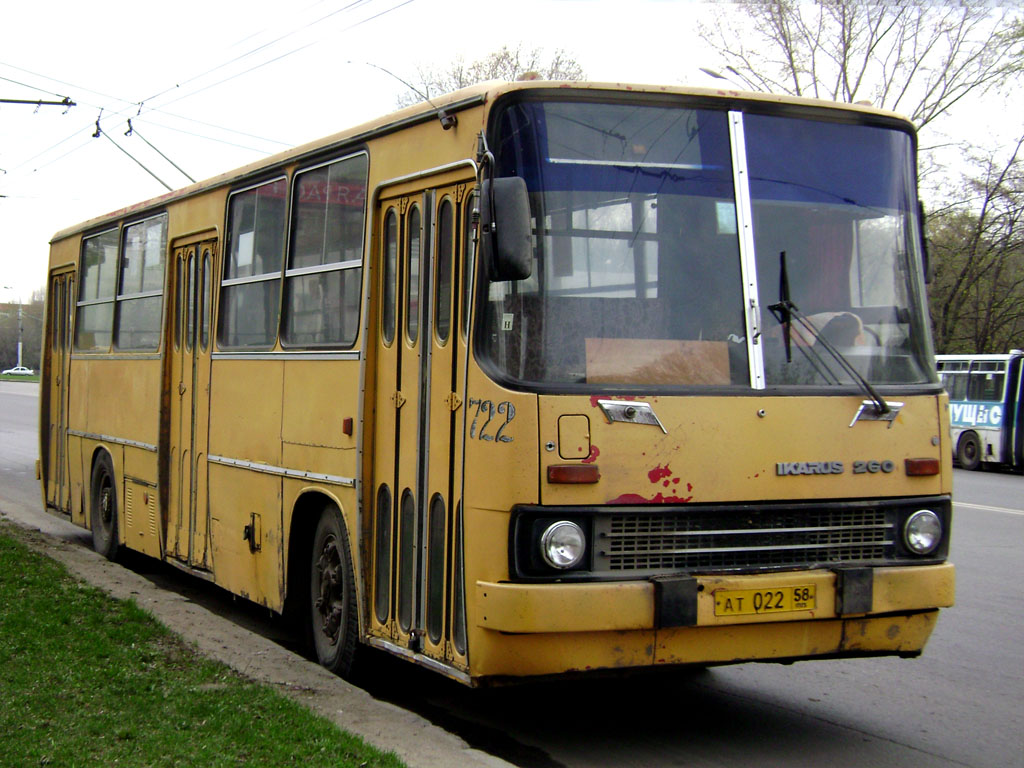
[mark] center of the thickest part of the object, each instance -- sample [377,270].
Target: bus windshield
[645,274]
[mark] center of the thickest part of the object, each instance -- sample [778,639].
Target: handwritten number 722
[487,409]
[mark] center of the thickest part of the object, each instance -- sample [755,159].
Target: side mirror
[505,243]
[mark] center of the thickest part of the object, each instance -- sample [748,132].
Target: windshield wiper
[785,311]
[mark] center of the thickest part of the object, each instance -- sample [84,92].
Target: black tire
[103,508]
[334,624]
[968,451]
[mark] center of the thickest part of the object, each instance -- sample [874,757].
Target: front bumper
[634,605]
[551,629]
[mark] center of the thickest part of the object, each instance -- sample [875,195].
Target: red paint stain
[629,498]
[689,487]
[659,498]
[594,453]
[676,480]
[659,473]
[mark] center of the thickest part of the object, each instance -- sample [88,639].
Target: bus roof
[455,102]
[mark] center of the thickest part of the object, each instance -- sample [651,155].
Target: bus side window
[94,323]
[250,294]
[324,275]
[140,288]
[986,381]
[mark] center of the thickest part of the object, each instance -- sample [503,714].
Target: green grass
[34,377]
[87,680]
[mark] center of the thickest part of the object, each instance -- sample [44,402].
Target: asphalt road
[960,704]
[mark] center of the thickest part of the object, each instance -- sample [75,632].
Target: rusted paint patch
[595,398]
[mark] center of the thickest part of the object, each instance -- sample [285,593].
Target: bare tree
[504,64]
[977,249]
[910,56]
[922,59]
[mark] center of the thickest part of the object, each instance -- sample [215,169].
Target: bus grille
[640,542]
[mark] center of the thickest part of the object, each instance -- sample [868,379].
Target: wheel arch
[305,515]
[104,450]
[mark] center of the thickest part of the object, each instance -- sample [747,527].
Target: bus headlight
[562,544]
[922,532]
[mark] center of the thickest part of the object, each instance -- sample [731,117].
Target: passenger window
[140,289]
[389,270]
[412,277]
[250,291]
[468,252]
[324,276]
[205,302]
[95,310]
[443,275]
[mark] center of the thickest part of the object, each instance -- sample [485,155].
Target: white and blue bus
[986,408]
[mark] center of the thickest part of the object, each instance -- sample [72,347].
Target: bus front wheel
[332,605]
[103,508]
[968,451]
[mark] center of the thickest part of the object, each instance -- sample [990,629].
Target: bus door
[61,309]
[420,358]
[187,524]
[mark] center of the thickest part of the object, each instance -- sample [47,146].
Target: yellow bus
[532,379]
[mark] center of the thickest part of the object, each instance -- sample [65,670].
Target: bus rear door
[187,525]
[55,389]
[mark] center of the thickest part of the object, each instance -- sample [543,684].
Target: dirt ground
[417,741]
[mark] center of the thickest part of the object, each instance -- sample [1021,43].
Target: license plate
[750,602]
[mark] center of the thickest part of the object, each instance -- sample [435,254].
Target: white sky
[177,59]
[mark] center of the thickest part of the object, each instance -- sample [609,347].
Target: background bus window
[140,293]
[954,378]
[95,315]
[986,381]
[252,270]
[322,283]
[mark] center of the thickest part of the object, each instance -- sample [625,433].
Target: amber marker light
[573,474]
[921,467]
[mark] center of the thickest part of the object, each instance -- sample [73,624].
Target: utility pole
[21,326]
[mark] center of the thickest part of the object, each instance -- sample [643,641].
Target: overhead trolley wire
[145,106]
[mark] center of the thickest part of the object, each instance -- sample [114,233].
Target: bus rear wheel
[334,624]
[968,451]
[103,508]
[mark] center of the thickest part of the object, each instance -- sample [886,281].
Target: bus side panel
[498,474]
[246,564]
[245,484]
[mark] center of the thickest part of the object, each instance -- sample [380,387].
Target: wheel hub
[330,603]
